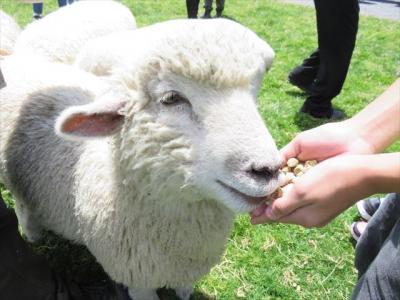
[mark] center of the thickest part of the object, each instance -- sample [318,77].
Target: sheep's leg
[143,294]
[30,226]
[184,293]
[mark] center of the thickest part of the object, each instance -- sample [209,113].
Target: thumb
[283,206]
[290,150]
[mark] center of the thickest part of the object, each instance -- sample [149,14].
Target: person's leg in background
[62,3]
[337,25]
[207,9]
[192,7]
[37,10]
[220,8]
[378,254]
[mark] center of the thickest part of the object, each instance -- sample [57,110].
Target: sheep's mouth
[249,199]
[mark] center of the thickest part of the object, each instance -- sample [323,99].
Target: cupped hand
[319,195]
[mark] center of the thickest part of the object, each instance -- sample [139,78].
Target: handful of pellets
[292,171]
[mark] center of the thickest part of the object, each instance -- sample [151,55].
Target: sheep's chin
[239,202]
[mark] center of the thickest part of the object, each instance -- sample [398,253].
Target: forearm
[379,122]
[383,173]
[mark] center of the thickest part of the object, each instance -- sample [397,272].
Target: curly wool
[233,56]
[60,35]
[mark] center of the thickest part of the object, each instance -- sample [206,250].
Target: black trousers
[192,7]
[337,25]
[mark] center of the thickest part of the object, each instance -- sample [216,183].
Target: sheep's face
[232,156]
[212,141]
[191,119]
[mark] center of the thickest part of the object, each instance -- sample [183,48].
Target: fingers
[260,218]
[257,212]
[307,216]
[277,209]
[302,217]
[290,150]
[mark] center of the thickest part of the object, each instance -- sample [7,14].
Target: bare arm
[379,122]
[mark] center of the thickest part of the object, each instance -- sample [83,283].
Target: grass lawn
[278,261]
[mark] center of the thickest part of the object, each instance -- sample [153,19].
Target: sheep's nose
[263,172]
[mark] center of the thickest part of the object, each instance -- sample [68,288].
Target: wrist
[358,137]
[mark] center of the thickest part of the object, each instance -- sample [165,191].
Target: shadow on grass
[296,94]
[305,121]
[76,262]
[230,18]
[169,294]
[71,260]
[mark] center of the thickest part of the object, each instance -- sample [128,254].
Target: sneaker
[357,229]
[305,87]
[303,77]
[367,207]
[37,17]
[207,14]
[331,115]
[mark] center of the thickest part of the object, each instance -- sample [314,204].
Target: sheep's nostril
[263,172]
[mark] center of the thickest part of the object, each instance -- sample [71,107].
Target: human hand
[327,141]
[320,194]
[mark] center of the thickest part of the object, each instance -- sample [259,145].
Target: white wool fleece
[222,53]
[60,35]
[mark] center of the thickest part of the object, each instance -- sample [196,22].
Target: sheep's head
[192,118]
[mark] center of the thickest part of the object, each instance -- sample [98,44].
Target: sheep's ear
[94,120]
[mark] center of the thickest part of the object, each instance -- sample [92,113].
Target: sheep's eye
[172,97]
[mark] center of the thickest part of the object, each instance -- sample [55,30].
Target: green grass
[277,261]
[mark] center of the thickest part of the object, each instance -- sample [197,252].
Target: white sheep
[59,36]
[148,177]
[9,32]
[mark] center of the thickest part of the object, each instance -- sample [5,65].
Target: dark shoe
[367,207]
[305,74]
[303,77]
[331,114]
[27,276]
[219,12]
[36,17]
[306,88]
[312,88]
[207,14]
